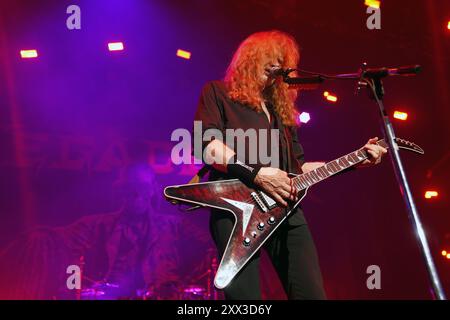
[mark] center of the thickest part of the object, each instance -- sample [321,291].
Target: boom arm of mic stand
[372,78]
[304,83]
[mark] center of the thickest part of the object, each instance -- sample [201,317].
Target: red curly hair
[243,76]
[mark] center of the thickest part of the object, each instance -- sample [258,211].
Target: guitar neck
[331,168]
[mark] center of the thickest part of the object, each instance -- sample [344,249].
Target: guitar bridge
[258,200]
[268,201]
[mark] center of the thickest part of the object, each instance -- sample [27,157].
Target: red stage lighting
[448,25]
[431,194]
[27,54]
[400,115]
[183,54]
[329,97]
[372,3]
[115,46]
[444,253]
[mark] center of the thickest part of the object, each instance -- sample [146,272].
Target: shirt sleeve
[297,148]
[210,114]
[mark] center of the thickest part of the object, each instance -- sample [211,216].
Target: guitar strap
[287,136]
[291,168]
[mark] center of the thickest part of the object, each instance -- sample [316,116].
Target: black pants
[293,254]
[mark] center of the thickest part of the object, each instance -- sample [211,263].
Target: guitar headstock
[408,145]
[403,144]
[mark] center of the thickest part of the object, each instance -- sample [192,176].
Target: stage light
[444,253]
[372,3]
[332,98]
[183,54]
[448,25]
[448,256]
[304,117]
[26,54]
[400,115]
[431,194]
[115,46]
[329,96]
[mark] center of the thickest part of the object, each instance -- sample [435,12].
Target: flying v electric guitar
[258,215]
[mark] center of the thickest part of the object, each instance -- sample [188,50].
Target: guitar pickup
[268,201]
[258,200]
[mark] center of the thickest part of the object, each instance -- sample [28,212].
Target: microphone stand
[372,80]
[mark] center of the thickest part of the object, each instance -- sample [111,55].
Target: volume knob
[247,242]
[271,220]
[260,226]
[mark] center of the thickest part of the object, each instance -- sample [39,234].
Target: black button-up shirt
[216,110]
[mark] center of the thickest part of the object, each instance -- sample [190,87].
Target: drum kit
[174,291]
[199,287]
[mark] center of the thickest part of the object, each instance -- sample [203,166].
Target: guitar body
[257,216]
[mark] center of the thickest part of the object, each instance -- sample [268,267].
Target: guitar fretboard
[351,159]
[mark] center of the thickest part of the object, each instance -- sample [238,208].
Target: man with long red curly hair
[249,97]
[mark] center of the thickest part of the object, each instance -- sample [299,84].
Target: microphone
[306,83]
[274,72]
[277,71]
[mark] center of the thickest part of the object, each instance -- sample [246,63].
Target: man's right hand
[277,184]
[273,181]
